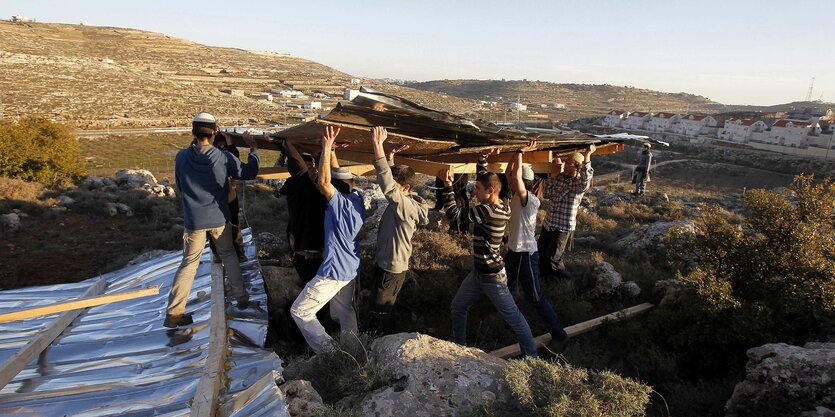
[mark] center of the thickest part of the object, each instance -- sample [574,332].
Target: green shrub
[36,149]
[560,390]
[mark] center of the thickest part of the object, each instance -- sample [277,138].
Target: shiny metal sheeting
[118,360]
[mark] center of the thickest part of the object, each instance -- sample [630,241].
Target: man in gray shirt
[394,236]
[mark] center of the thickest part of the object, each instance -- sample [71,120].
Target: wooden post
[575,330]
[15,364]
[204,403]
[80,303]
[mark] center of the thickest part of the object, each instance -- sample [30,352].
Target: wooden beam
[432,167]
[15,364]
[205,401]
[278,173]
[513,351]
[78,304]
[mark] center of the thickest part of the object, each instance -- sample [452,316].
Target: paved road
[140,131]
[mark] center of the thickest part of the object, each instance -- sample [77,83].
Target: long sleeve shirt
[398,223]
[305,208]
[564,196]
[645,163]
[487,222]
[201,175]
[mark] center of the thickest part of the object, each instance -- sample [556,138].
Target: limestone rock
[134,178]
[302,399]
[10,222]
[434,378]
[269,243]
[608,279]
[651,236]
[668,290]
[785,380]
[65,200]
[630,289]
[114,209]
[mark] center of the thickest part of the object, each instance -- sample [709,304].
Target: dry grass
[19,190]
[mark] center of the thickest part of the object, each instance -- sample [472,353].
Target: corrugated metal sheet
[118,360]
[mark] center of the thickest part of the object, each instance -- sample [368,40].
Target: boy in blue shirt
[334,281]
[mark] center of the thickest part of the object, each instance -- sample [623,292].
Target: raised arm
[238,170]
[328,138]
[296,164]
[514,176]
[451,208]
[384,177]
[586,171]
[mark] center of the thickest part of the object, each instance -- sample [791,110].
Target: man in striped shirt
[564,191]
[487,221]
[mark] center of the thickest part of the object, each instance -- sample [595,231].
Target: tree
[36,149]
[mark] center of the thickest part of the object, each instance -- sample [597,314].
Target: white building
[263,96]
[615,118]
[637,120]
[21,19]
[349,94]
[693,125]
[791,132]
[288,93]
[662,122]
[312,105]
[559,106]
[517,107]
[356,81]
[320,95]
[741,130]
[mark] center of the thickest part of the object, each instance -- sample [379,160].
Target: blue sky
[735,52]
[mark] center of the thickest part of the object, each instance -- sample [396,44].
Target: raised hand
[531,146]
[248,139]
[445,175]
[329,135]
[487,152]
[397,150]
[378,135]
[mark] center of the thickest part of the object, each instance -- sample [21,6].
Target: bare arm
[328,138]
[515,176]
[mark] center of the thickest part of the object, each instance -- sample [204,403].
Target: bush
[36,149]
[344,372]
[555,390]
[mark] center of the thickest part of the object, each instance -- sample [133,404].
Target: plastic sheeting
[118,360]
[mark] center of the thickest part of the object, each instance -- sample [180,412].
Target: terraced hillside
[581,100]
[95,77]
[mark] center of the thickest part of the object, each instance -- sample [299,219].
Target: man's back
[343,220]
[306,209]
[201,177]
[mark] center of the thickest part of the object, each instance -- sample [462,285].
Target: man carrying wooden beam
[487,221]
[564,191]
[202,173]
[394,236]
[522,256]
[334,281]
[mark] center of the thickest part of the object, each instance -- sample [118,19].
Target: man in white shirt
[522,257]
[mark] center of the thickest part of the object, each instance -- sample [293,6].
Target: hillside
[580,99]
[96,77]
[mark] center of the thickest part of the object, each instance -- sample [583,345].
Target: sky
[735,52]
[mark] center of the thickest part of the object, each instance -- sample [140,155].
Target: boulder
[432,378]
[651,236]
[113,209]
[65,200]
[785,380]
[630,289]
[608,279]
[302,399]
[10,222]
[134,178]
[93,182]
[269,244]
[668,290]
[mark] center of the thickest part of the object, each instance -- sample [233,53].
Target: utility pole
[811,87]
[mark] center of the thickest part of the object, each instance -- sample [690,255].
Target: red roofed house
[693,125]
[614,118]
[791,132]
[741,130]
[662,122]
[637,120]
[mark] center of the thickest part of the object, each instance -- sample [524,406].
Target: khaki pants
[194,241]
[318,292]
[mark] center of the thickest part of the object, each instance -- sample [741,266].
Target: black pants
[387,286]
[553,245]
[523,270]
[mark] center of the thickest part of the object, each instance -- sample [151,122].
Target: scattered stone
[651,236]
[818,412]
[10,222]
[58,209]
[585,240]
[608,279]
[302,399]
[786,380]
[113,209]
[669,290]
[630,289]
[433,378]
[134,178]
[437,221]
[270,244]
[65,200]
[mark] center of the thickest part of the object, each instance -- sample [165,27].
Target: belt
[497,277]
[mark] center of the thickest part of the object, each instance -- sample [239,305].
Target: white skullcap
[527,173]
[341,174]
[204,117]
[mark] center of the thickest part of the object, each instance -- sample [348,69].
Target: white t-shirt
[521,228]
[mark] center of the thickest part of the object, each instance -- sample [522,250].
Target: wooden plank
[205,401]
[15,364]
[78,304]
[277,173]
[513,351]
[432,167]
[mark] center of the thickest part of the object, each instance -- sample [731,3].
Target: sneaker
[177,321]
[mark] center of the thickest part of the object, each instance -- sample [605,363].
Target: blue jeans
[471,291]
[523,268]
